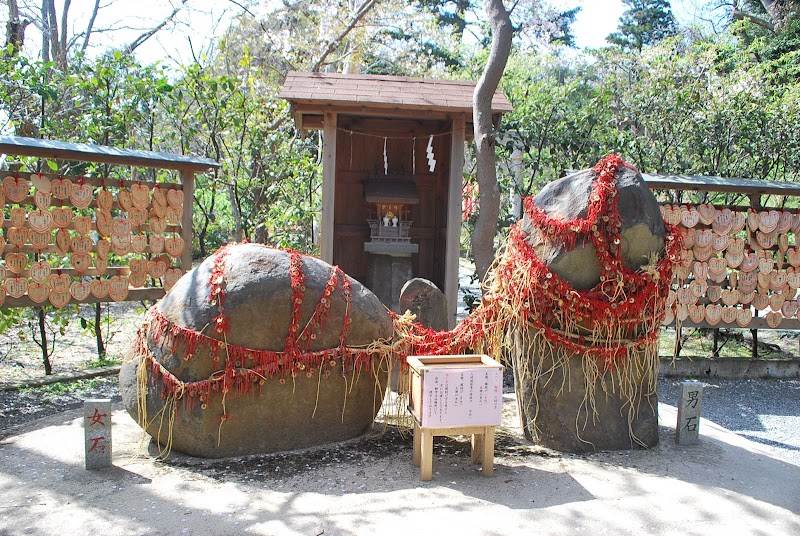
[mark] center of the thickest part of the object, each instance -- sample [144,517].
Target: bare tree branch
[136,43]
[741,15]
[333,44]
[90,26]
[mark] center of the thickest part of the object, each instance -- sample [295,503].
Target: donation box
[456,390]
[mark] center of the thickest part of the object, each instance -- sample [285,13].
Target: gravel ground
[764,411]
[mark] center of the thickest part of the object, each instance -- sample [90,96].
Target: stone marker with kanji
[97,428]
[690,402]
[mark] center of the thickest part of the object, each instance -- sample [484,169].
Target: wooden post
[328,187]
[453,244]
[187,179]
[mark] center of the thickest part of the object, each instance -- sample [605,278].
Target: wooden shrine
[114,232]
[388,142]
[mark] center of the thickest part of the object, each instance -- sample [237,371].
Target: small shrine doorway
[393,165]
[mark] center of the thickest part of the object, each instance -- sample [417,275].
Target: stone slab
[97,432]
[690,404]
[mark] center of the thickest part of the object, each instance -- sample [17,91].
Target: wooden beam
[187,179]
[85,152]
[328,187]
[704,183]
[453,240]
[136,294]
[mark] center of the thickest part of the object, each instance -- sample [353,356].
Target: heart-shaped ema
[61,188]
[16,287]
[702,253]
[671,297]
[121,227]
[686,296]
[40,220]
[104,224]
[783,243]
[63,241]
[717,265]
[723,221]
[730,297]
[760,301]
[158,211]
[789,308]
[137,280]
[82,224]
[700,270]
[765,265]
[697,288]
[796,223]
[743,317]
[137,216]
[681,272]
[41,182]
[719,242]
[81,195]
[80,290]
[17,216]
[121,245]
[103,247]
[706,213]
[728,315]
[158,225]
[99,288]
[717,277]
[105,200]
[171,277]
[139,243]
[774,319]
[793,279]
[59,299]
[766,240]
[776,301]
[100,264]
[17,236]
[681,311]
[42,200]
[159,196]
[62,217]
[746,297]
[734,260]
[714,293]
[38,292]
[156,244]
[768,220]
[81,262]
[687,256]
[174,215]
[777,279]
[138,266]
[16,190]
[784,222]
[118,288]
[736,245]
[124,199]
[140,195]
[749,263]
[752,220]
[690,217]
[60,282]
[16,263]
[175,199]
[81,244]
[703,238]
[697,313]
[713,314]
[739,221]
[174,246]
[40,271]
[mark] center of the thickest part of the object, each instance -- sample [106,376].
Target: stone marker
[425,300]
[97,428]
[690,402]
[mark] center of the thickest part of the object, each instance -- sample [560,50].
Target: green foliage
[644,23]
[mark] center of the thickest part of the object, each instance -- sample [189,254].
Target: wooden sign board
[456,390]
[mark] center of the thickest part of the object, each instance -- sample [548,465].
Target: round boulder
[274,398]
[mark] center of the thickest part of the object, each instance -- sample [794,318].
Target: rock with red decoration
[258,350]
[596,239]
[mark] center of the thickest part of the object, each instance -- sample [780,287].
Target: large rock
[426,301]
[299,412]
[559,410]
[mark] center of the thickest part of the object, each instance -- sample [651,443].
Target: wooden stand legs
[482,447]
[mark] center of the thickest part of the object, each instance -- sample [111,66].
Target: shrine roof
[391,96]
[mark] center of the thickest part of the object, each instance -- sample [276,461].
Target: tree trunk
[489,197]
